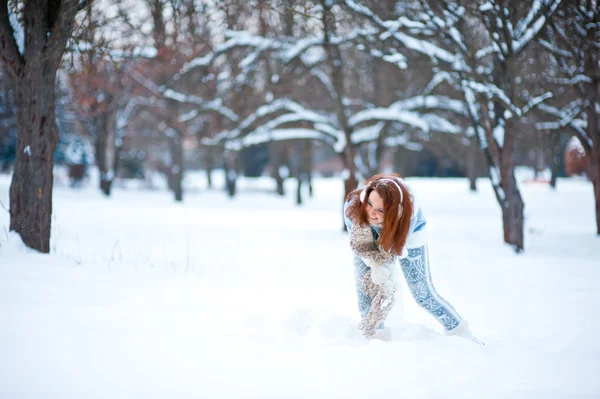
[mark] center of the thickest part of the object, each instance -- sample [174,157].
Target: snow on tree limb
[163,92]
[391,29]
[265,136]
[527,29]
[367,134]
[214,105]
[296,113]
[402,111]
[554,49]
[536,102]
[567,117]
[493,91]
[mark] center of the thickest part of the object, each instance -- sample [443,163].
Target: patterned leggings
[416,271]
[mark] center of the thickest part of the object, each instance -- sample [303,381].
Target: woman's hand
[380,274]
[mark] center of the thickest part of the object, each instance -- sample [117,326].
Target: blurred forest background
[293,89]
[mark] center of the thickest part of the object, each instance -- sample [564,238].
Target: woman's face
[375,208]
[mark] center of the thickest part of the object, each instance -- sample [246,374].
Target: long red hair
[394,230]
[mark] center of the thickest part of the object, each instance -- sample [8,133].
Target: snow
[389,114]
[18,32]
[261,136]
[498,133]
[574,144]
[142,297]
[532,29]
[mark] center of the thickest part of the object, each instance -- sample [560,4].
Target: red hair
[394,230]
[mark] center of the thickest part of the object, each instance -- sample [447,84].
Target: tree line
[475,81]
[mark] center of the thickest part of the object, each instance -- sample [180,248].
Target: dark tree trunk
[277,155]
[336,64]
[554,158]
[230,174]
[471,164]
[105,150]
[307,164]
[47,27]
[595,162]
[512,208]
[299,190]
[592,69]
[512,217]
[176,169]
[31,186]
[279,182]
[210,164]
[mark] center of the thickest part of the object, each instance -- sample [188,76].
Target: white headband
[364,192]
[397,186]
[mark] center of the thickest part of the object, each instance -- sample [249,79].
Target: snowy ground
[253,297]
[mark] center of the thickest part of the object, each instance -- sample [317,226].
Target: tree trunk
[307,164]
[597,195]
[176,169]
[277,155]
[47,26]
[279,182]
[336,64]
[592,69]
[512,217]
[105,150]
[595,162]
[210,163]
[554,158]
[512,208]
[299,190]
[472,152]
[31,185]
[230,174]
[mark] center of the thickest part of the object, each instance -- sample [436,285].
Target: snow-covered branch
[166,93]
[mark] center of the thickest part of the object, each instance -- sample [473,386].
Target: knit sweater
[365,247]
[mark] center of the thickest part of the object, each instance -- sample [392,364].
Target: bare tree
[483,68]
[33,37]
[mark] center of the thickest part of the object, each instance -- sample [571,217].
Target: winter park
[299,199]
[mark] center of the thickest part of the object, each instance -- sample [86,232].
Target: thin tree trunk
[210,162]
[595,161]
[279,181]
[336,64]
[105,150]
[472,152]
[176,169]
[276,153]
[230,174]
[299,190]
[592,69]
[307,163]
[554,158]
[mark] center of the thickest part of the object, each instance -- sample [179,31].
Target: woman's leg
[382,302]
[364,300]
[416,271]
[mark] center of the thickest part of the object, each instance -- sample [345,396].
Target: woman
[385,224]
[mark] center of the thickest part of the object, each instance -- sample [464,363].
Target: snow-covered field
[254,297]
